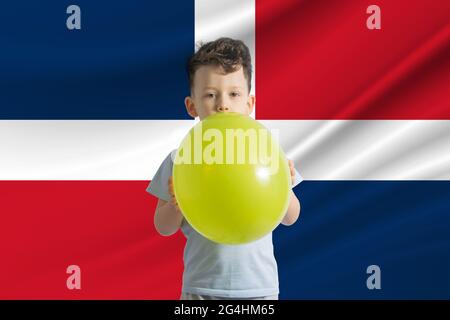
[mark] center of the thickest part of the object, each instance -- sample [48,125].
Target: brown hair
[227,53]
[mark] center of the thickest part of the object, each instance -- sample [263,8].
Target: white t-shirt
[235,271]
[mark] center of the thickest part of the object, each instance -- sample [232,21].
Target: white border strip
[133,150]
[232,18]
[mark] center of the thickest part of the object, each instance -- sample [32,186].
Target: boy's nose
[223,109]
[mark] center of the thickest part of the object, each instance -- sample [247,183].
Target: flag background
[86,117]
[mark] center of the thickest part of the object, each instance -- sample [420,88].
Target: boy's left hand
[292,169]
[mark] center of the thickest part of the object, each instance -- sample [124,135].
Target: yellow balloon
[231,179]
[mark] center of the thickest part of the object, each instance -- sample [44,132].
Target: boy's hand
[292,169]
[173,200]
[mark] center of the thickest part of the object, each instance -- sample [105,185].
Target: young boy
[220,75]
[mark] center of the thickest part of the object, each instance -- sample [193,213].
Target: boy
[220,80]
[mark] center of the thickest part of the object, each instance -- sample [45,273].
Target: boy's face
[214,91]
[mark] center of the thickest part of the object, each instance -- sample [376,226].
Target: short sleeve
[159,184]
[298,178]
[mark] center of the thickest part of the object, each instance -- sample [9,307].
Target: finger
[175,204]
[291,164]
[171,184]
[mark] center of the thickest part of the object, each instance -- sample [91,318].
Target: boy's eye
[235,94]
[209,95]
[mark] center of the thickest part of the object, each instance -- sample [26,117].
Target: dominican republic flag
[91,102]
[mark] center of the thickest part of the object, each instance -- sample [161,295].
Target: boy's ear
[190,108]
[251,103]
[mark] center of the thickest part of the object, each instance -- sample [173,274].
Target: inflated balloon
[231,179]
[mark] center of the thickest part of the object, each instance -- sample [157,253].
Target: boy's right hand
[173,200]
